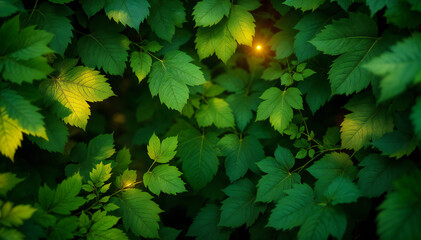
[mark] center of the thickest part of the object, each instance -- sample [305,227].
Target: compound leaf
[346,35]
[278,105]
[399,67]
[164,178]
[127,12]
[240,207]
[198,155]
[140,213]
[241,154]
[366,122]
[171,77]
[271,186]
[205,225]
[216,111]
[165,16]
[104,47]
[210,12]
[241,25]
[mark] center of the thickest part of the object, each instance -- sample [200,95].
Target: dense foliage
[211,119]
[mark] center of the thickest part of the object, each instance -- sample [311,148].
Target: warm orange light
[259,47]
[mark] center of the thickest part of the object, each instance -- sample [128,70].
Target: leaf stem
[113,194]
[162,61]
[32,12]
[150,167]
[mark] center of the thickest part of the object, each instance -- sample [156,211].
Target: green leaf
[91,7]
[322,222]
[240,207]
[205,225]
[164,178]
[304,5]
[141,64]
[168,233]
[22,50]
[333,165]
[102,227]
[210,12]
[100,148]
[15,215]
[241,154]
[10,233]
[165,16]
[278,105]
[7,8]
[399,67]
[327,169]
[394,14]
[53,18]
[216,111]
[395,144]
[57,135]
[241,25]
[123,160]
[126,179]
[7,182]
[243,106]
[21,110]
[231,82]
[162,152]
[344,3]
[283,42]
[332,136]
[64,229]
[342,190]
[127,12]
[250,5]
[308,27]
[366,122]
[140,213]
[346,35]
[271,187]
[73,88]
[375,5]
[293,210]
[64,199]
[104,47]
[10,135]
[273,72]
[216,39]
[347,74]
[198,155]
[416,118]
[399,213]
[378,174]
[100,174]
[171,77]
[317,91]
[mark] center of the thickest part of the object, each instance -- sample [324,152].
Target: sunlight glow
[259,47]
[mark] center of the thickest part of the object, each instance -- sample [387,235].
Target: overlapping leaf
[73,88]
[198,155]
[366,122]
[271,187]
[104,47]
[22,51]
[278,105]
[241,154]
[170,77]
